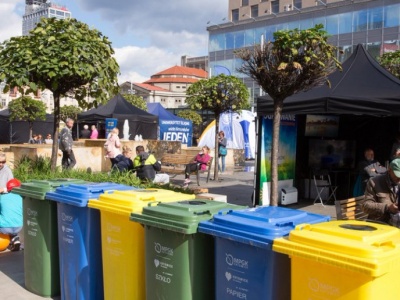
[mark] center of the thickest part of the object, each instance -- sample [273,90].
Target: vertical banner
[110,125]
[286,158]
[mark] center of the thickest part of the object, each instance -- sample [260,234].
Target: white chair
[322,183]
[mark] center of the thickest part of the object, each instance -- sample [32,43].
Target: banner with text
[175,130]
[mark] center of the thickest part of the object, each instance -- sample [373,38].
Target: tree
[27,109]
[65,57]
[69,111]
[190,115]
[137,101]
[297,60]
[391,62]
[218,94]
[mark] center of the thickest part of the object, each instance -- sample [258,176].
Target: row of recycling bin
[109,241]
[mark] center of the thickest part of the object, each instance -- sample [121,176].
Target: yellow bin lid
[365,247]
[126,202]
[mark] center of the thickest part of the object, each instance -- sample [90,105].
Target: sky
[147,36]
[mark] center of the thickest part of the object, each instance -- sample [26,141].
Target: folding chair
[322,182]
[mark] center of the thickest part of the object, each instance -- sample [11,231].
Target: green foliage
[295,61]
[191,115]
[69,111]
[218,94]
[391,62]
[135,100]
[64,56]
[27,109]
[40,168]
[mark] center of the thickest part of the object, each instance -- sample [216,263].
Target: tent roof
[119,108]
[363,87]
[163,114]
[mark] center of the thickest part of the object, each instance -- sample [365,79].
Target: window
[235,15]
[245,2]
[275,6]
[254,11]
[298,3]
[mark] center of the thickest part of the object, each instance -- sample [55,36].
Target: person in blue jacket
[11,219]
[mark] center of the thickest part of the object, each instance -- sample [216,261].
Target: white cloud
[138,64]
[10,21]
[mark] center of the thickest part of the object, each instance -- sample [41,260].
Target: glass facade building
[35,10]
[373,23]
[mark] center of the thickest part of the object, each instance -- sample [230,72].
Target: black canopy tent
[364,87]
[140,121]
[17,132]
[364,95]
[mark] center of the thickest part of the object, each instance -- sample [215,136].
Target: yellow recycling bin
[343,260]
[123,240]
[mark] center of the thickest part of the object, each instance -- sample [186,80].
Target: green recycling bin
[41,260]
[179,259]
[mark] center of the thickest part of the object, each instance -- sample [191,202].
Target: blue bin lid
[79,194]
[258,226]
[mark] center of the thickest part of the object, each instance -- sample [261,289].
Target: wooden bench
[350,209]
[174,164]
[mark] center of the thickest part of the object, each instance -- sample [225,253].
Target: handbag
[222,151]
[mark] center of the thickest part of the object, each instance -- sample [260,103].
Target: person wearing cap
[382,193]
[11,218]
[5,173]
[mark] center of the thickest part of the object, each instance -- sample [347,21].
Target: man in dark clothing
[369,167]
[85,132]
[68,160]
[381,194]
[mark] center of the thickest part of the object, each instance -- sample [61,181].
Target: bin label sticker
[324,288]
[32,213]
[160,249]
[31,222]
[236,293]
[236,262]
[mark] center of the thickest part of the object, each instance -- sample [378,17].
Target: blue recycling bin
[245,265]
[79,239]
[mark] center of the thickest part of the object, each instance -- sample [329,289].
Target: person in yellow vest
[147,166]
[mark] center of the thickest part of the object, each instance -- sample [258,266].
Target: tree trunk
[216,158]
[54,150]
[278,105]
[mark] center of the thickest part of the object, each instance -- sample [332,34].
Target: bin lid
[37,189]
[258,226]
[79,194]
[181,216]
[365,247]
[125,202]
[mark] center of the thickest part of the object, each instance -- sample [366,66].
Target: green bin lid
[181,216]
[126,202]
[37,189]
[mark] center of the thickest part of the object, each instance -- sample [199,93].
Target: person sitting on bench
[199,163]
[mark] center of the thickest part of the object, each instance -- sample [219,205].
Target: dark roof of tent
[363,87]
[5,116]
[163,114]
[118,108]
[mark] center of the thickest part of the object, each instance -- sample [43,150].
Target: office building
[373,23]
[37,9]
